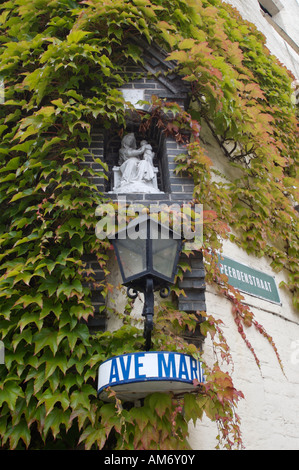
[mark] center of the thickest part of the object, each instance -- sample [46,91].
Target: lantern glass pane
[132,254]
[164,256]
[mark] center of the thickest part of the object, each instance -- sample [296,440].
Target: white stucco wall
[287,19]
[270,411]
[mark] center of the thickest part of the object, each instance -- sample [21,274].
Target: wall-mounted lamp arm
[148,311]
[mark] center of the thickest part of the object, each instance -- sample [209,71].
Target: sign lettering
[143,373]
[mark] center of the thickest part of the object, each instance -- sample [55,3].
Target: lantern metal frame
[149,280]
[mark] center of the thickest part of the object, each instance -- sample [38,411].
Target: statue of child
[148,154]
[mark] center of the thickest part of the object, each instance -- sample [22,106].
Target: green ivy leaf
[46,337]
[10,393]
[55,420]
[20,431]
[26,300]
[50,398]
[159,402]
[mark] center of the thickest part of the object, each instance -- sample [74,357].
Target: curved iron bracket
[132,295]
[164,292]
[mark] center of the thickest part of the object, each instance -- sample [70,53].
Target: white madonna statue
[136,172]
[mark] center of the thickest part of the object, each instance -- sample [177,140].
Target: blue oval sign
[133,376]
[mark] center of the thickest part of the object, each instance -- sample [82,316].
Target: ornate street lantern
[147,253]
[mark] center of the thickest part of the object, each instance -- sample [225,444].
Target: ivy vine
[62,66]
